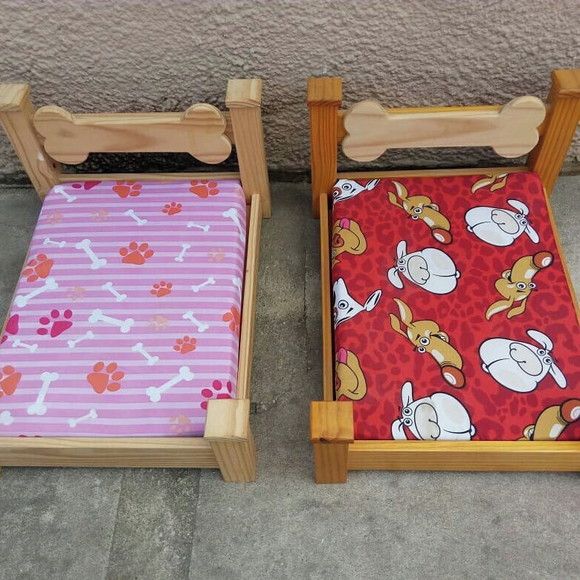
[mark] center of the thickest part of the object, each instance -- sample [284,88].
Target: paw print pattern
[9,379]
[204,188]
[232,317]
[105,378]
[185,344]
[127,189]
[162,288]
[38,267]
[172,208]
[215,392]
[56,323]
[136,253]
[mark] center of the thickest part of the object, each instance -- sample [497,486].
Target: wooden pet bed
[47,137]
[365,131]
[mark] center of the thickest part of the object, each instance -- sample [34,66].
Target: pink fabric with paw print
[126,317]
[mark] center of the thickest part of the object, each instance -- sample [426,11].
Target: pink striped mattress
[126,317]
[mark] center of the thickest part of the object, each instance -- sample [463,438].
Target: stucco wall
[126,55]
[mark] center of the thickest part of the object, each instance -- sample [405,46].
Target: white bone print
[151,360]
[38,407]
[131,213]
[237,282]
[154,393]
[118,296]
[22,300]
[232,213]
[91,415]
[204,227]
[201,326]
[6,418]
[87,335]
[181,256]
[18,343]
[209,282]
[85,246]
[69,198]
[97,315]
[49,242]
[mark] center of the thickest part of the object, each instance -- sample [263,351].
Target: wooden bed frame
[208,135]
[336,451]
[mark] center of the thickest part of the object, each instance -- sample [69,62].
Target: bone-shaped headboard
[510,130]
[69,138]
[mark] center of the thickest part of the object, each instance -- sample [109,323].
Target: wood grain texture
[76,177]
[326,306]
[428,172]
[510,130]
[185,452]
[69,138]
[16,116]
[324,97]
[249,300]
[465,455]
[331,432]
[243,99]
[559,128]
[227,430]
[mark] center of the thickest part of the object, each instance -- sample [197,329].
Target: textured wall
[126,55]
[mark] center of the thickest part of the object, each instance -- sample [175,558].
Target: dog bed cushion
[126,317]
[453,315]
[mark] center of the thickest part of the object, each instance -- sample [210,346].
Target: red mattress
[452,311]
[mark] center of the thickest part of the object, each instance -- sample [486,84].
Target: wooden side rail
[559,127]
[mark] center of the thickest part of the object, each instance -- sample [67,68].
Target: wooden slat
[324,99]
[465,455]
[75,177]
[428,172]
[559,128]
[69,138]
[16,115]
[249,300]
[511,130]
[243,99]
[186,452]
[325,295]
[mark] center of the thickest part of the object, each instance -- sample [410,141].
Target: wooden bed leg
[16,113]
[227,429]
[331,432]
[324,100]
[548,156]
[244,100]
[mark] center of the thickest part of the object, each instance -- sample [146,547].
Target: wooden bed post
[16,113]
[227,429]
[331,432]
[244,100]
[324,100]
[559,127]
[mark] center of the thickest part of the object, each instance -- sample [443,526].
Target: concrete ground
[130,523]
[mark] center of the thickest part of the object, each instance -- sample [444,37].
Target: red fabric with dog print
[453,315]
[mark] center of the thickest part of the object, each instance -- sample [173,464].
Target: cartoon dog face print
[437,417]
[516,285]
[420,207]
[346,307]
[520,366]
[427,337]
[349,379]
[430,269]
[347,237]
[498,226]
[346,188]
[552,421]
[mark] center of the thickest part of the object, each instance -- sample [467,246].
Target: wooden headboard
[51,135]
[367,130]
